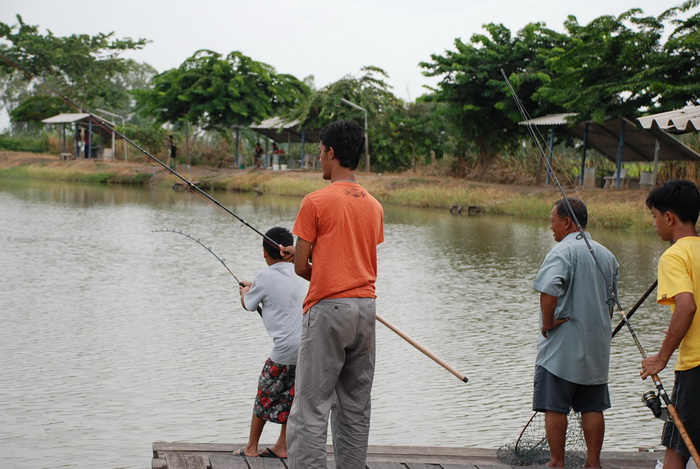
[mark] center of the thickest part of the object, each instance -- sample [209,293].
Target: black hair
[347,139]
[579,208]
[280,236]
[678,197]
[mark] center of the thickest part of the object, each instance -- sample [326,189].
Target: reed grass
[75,175]
[613,209]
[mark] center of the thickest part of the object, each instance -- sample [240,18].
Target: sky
[328,39]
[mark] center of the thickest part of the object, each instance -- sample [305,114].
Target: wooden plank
[384,465]
[266,463]
[159,463]
[495,465]
[159,446]
[185,461]
[227,461]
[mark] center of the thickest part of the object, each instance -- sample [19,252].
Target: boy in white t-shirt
[280,294]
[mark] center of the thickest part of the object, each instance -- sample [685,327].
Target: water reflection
[114,336]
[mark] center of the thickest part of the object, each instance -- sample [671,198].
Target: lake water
[113,336]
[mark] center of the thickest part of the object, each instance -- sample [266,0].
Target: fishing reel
[653,401]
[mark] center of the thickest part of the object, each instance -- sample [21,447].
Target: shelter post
[551,153]
[585,147]
[657,146]
[303,153]
[238,131]
[89,140]
[620,146]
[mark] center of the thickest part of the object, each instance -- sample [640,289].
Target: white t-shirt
[281,294]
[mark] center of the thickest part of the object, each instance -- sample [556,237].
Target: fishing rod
[422,348]
[613,300]
[196,240]
[223,261]
[649,400]
[107,126]
[381,319]
[193,187]
[636,306]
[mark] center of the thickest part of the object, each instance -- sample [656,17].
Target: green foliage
[597,74]
[385,114]
[85,68]
[30,143]
[38,107]
[617,66]
[478,107]
[675,76]
[216,92]
[152,139]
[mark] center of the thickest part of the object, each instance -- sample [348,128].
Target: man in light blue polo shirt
[573,349]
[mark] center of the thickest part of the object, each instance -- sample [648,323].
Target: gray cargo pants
[335,370]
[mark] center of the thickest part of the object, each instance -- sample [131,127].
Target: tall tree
[478,105]
[368,90]
[215,92]
[675,77]
[79,66]
[599,73]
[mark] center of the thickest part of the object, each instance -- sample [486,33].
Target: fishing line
[613,299]
[107,126]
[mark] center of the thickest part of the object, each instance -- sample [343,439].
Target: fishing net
[531,447]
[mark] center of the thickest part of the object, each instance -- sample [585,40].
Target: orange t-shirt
[344,225]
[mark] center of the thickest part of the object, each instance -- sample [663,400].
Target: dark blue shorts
[559,395]
[686,389]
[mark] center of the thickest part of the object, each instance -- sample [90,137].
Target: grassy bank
[617,209]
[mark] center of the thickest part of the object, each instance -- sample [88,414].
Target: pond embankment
[618,209]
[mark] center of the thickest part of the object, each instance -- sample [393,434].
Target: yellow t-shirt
[679,272]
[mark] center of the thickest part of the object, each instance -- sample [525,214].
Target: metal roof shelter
[620,139]
[280,130]
[680,121]
[82,120]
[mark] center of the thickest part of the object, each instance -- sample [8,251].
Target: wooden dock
[220,456]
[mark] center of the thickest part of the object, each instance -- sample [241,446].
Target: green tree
[38,107]
[478,106]
[370,91]
[81,67]
[675,77]
[598,74]
[217,93]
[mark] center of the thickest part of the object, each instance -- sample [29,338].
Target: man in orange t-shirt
[343,224]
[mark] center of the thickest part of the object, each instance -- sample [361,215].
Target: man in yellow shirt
[675,207]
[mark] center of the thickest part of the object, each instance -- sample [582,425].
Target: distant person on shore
[279,292]
[86,148]
[258,156]
[342,224]
[675,206]
[78,142]
[172,152]
[573,350]
[276,150]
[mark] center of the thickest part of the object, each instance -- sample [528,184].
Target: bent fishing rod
[223,261]
[196,240]
[107,126]
[381,319]
[613,299]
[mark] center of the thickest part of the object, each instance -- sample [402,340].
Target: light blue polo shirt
[578,350]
